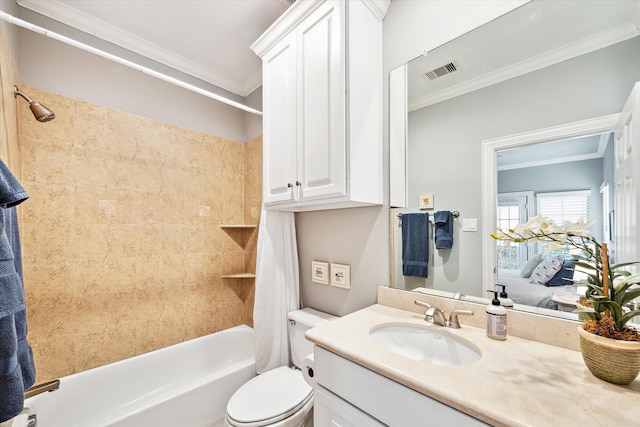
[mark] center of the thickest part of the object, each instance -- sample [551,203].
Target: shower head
[41,113]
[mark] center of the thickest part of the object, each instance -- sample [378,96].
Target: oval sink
[424,344]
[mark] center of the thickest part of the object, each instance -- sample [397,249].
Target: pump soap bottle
[496,319]
[505,301]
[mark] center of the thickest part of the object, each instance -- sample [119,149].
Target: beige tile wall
[122,247]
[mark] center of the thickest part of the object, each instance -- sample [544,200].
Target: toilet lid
[269,397]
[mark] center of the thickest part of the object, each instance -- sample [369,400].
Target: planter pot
[614,361]
[582,316]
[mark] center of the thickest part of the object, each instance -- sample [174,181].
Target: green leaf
[628,316]
[629,296]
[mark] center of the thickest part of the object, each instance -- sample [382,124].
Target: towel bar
[41,388]
[455,214]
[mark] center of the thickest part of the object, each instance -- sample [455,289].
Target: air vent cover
[442,71]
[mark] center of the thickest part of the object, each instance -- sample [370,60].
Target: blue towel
[11,192]
[17,368]
[415,244]
[443,221]
[11,384]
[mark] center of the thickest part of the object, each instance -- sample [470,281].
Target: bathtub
[187,384]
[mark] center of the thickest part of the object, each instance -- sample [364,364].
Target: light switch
[470,224]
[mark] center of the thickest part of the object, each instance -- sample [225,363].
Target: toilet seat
[269,398]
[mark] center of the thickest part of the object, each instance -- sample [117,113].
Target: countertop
[517,382]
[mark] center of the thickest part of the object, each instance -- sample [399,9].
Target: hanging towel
[17,370]
[11,385]
[415,244]
[443,221]
[277,288]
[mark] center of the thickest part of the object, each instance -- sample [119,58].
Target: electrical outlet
[340,276]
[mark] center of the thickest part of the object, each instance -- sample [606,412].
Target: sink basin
[425,344]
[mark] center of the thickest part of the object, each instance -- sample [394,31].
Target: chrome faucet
[422,304]
[436,316]
[453,318]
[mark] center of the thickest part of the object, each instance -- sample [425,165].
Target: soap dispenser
[496,319]
[505,301]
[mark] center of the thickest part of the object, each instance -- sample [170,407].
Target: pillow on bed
[530,265]
[564,276]
[546,270]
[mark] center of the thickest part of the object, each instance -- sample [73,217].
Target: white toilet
[280,397]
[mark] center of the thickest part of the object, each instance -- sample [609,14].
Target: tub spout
[41,388]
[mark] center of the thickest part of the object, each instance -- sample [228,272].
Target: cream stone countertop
[517,382]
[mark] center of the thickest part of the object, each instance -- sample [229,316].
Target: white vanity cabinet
[350,393]
[322,102]
[331,410]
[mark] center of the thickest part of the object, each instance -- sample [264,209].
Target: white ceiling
[533,36]
[207,39]
[553,152]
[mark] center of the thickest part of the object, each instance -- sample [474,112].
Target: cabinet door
[322,99]
[279,144]
[331,410]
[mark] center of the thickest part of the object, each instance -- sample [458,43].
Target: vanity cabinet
[331,410]
[322,102]
[366,393]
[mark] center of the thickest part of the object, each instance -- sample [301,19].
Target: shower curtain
[277,288]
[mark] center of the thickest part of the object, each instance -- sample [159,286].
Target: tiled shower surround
[122,247]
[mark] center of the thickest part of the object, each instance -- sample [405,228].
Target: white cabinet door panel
[322,99]
[279,71]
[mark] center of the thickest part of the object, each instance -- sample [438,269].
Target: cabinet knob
[289,185]
[298,183]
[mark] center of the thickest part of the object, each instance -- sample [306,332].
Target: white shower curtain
[277,288]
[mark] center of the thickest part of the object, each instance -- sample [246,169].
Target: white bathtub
[187,384]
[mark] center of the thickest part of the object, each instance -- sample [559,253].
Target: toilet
[280,397]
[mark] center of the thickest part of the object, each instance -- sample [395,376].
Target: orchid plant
[607,302]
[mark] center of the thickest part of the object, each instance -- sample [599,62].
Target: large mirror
[504,120]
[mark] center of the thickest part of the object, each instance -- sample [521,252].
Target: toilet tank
[301,321]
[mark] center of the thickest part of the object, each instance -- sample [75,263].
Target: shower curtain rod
[32,27]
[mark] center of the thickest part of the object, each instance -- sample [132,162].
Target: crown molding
[590,44]
[59,11]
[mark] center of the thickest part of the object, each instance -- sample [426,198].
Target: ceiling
[533,36]
[207,39]
[553,152]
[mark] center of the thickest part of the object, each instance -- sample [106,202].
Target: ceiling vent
[442,71]
[288,2]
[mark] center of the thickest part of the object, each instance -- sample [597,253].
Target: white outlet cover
[341,276]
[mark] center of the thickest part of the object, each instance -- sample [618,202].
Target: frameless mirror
[523,106]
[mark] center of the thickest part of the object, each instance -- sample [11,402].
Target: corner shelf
[237,233]
[235,226]
[239,276]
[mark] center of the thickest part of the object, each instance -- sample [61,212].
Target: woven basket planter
[614,361]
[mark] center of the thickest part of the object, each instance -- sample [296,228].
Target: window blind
[564,206]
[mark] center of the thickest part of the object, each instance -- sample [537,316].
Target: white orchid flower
[579,228]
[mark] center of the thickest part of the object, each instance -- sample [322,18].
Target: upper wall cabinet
[322,101]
